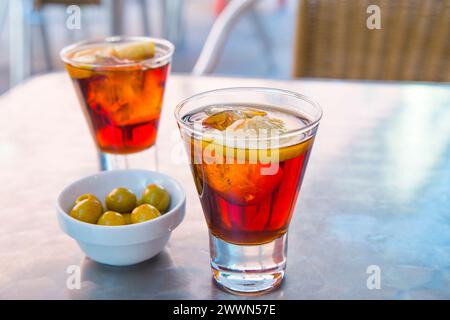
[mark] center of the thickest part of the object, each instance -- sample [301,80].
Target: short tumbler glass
[121,101]
[248,187]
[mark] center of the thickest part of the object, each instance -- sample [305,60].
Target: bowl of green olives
[121,217]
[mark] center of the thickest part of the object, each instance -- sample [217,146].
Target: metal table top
[376,193]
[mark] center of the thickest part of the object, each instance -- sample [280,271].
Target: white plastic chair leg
[218,35]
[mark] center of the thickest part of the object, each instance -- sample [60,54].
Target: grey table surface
[376,193]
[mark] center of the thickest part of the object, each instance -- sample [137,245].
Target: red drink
[120,85]
[123,106]
[254,208]
[242,203]
[248,149]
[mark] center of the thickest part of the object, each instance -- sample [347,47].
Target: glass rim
[152,61]
[314,122]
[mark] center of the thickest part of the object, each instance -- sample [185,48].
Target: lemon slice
[80,72]
[83,60]
[212,151]
[86,56]
[135,51]
[242,155]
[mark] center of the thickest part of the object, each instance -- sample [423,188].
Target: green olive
[157,196]
[87,196]
[87,210]
[111,218]
[120,200]
[127,217]
[143,213]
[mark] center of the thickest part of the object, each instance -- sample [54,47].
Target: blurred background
[252,38]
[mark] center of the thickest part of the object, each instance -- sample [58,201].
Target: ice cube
[221,120]
[94,56]
[225,125]
[243,185]
[258,122]
[258,127]
[250,113]
[87,56]
[106,56]
[115,54]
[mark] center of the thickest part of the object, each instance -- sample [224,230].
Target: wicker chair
[413,44]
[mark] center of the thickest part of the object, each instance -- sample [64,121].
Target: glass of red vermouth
[248,150]
[120,84]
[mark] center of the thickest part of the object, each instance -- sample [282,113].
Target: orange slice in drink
[240,179]
[241,184]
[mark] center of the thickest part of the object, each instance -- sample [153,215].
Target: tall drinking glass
[248,149]
[120,84]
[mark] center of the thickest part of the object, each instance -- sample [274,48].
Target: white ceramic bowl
[121,245]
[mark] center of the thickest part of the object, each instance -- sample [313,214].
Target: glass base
[146,159]
[250,269]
